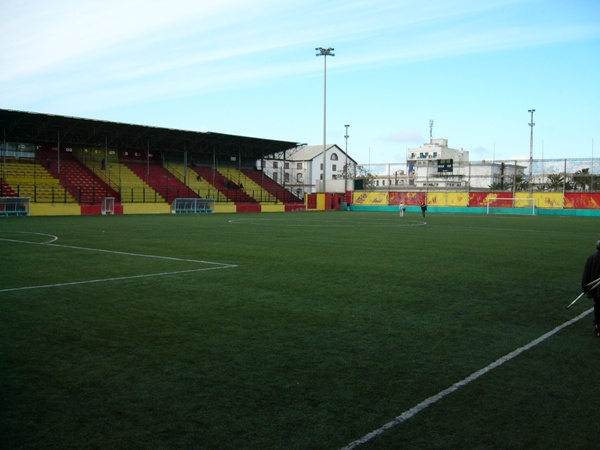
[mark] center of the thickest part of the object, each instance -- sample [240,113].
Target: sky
[249,68]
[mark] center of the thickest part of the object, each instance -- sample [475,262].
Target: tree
[496,186]
[518,181]
[347,172]
[582,179]
[556,182]
[367,177]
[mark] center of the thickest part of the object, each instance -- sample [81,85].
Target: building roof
[311,152]
[20,126]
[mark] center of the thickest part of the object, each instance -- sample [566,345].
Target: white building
[436,165]
[433,160]
[300,170]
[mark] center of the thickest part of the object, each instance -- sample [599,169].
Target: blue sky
[249,68]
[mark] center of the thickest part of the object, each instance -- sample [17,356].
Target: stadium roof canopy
[48,129]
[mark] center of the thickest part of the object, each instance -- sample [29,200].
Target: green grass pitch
[296,331]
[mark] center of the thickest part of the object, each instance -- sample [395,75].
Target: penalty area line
[102,280]
[475,375]
[139,255]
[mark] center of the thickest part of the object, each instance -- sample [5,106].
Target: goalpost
[108,206]
[14,206]
[511,205]
[192,206]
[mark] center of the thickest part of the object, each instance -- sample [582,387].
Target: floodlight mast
[347,170]
[531,125]
[324,52]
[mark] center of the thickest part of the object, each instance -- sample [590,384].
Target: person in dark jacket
[591,272]
[423,208]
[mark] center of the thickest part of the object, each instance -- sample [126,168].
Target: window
[334,157]
[321,166]
[299,178]
[275,165]
[275,177]
[287,165]
[287,177]
[299,166]
[334,168]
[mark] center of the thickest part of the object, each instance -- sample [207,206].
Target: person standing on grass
[402,209]
[423,208]
[591,272]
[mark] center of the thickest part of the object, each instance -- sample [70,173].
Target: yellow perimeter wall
[55,209]
[543,199]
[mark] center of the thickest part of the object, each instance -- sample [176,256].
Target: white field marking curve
[20,241]
[439,396]
[49,243]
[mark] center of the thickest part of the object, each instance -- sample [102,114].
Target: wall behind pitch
[544,200]
[55,209]
[582,201]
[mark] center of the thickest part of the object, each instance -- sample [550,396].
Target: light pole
[324,52]
[347,169]
[531,124]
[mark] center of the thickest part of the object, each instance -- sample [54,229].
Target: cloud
[406,136]
[99,52]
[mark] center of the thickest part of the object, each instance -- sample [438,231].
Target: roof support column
[5,151]
[185,165]
[58,159]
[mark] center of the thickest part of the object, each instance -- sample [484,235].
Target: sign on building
[445,165]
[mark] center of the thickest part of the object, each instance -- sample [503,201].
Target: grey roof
[22,126]
[310,152]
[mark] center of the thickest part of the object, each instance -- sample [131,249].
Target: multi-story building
[300,170]
[436,165]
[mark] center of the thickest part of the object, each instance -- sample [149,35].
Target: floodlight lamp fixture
[325,51]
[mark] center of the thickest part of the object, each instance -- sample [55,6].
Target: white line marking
[141,255]
[435,398]
[169,258]
[49,244]
[74,283]
[53,238]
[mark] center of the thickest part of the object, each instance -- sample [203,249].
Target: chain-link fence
[539,175]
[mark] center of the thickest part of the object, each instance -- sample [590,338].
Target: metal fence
[541,175]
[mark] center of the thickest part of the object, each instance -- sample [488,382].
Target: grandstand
[161,181]
[84,161]
[31,179]
[81,183]
[78,163]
